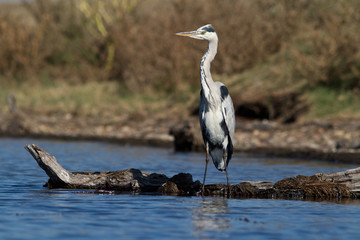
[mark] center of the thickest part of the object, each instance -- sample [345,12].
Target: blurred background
[286,60]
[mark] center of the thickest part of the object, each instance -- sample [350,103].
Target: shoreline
[333,140]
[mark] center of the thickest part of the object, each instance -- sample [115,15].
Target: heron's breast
[213,120]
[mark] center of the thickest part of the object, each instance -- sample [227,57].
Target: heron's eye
[202,32]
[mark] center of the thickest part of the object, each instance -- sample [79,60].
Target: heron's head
[206,32]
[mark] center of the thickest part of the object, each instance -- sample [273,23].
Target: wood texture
[321,186]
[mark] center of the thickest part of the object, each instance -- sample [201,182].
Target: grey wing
[202,110]
[227,107]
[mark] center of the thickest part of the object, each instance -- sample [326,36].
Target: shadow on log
[321,186]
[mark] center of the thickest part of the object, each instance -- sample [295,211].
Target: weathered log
[127,180]
[320,186]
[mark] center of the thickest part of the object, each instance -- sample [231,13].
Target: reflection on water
[212,214]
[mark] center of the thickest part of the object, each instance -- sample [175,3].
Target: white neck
[207,83]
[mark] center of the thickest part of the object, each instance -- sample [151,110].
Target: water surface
[30,211]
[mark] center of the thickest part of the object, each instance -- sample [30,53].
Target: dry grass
[320,38]
[98,99]
[264,45]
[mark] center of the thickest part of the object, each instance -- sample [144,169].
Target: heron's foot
[202,191]
[228,191]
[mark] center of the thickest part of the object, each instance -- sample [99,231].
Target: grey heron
[216,111]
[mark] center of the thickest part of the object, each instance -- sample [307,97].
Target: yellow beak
[187,34]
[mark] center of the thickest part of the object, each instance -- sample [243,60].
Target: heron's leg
[228,184]
[206,165]
[227,176]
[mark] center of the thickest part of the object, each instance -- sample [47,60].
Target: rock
[187,137]
[169,188]
[181,184]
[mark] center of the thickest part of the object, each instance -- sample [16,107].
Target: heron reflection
[212,214]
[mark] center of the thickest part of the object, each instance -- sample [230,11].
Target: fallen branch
[320,186]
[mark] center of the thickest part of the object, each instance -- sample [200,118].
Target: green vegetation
[328,102]
[107,99]
[94,56]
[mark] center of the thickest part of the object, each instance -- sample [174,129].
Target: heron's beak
[187,34]
[192,34]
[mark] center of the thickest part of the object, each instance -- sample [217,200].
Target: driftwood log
[333,186]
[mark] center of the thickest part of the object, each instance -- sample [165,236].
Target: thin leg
[228,184]
[227,176]
[206,165]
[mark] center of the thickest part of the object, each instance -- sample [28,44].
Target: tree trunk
[320,186]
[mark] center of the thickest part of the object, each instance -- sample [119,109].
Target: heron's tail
[221,159]
[217,155]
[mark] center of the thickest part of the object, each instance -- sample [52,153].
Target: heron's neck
[207,84]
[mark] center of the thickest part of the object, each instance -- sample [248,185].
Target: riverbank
[334,139]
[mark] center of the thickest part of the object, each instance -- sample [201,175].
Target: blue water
[30,211]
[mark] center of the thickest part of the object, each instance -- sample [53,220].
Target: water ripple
[29,211]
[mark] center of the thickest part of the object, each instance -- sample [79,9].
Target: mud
[336,140]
